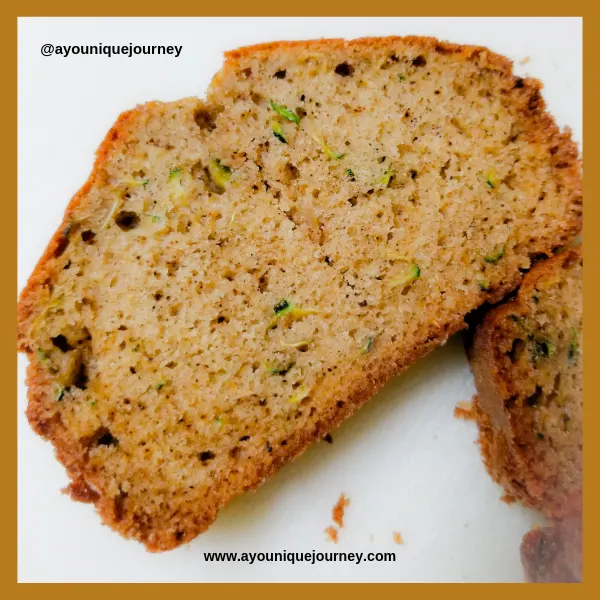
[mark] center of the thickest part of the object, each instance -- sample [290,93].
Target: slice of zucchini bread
[238,276]
[527,360]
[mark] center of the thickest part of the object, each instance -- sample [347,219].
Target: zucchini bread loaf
[527,358]
[238,276]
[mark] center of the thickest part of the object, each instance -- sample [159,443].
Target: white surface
[404,461]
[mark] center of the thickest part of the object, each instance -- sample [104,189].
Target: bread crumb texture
[239,275]
[528,365]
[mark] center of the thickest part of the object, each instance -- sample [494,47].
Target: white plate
[404,461]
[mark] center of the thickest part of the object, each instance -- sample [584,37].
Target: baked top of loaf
[553,554]
[527,359]
[239,275]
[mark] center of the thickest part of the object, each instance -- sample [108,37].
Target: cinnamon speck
[397,538]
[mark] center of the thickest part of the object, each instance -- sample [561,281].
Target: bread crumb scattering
[239,275]
[337,514]
[332,534]
[464,410]
[397,538]
[338,510]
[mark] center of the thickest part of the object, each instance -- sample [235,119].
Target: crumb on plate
[332,534]
[338,510]
[464,410]
[397,537]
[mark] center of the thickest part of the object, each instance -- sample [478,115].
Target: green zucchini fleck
[330,152]
[278,133]
[484,285]
[573,345]
[494,257]
[280,370]
[219,173]
[285,112]
[59,393]
[491,179]
[174,173]
[386,178]
[321,141]
[282,307]
[368,345]
[285,307]
[414,272]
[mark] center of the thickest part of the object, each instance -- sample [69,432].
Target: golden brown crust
[361,385]
[43,271]
[494,409]
[80,491]
[422,42]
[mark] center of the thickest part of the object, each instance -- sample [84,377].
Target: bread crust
[351,389]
